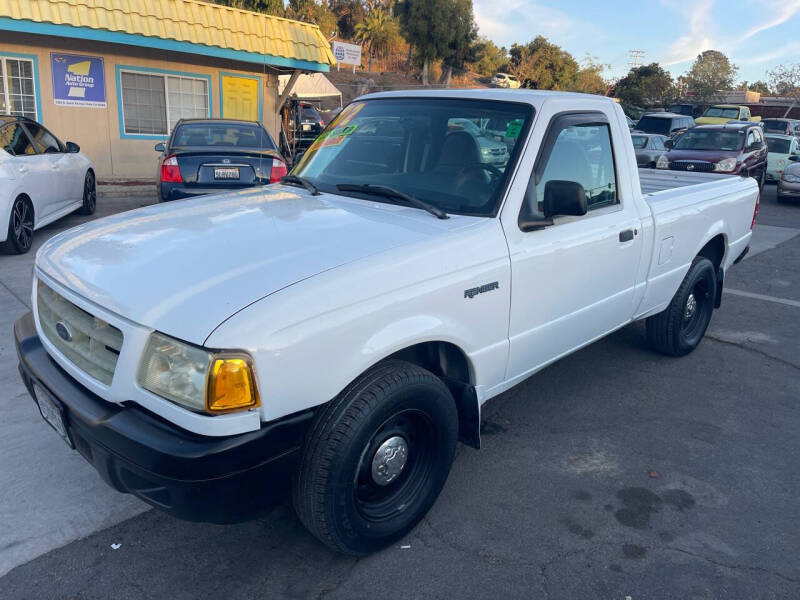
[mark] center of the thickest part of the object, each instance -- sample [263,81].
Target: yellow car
[719,114]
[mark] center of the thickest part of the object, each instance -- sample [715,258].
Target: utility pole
[636,57]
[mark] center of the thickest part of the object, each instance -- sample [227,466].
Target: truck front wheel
[376,458]
[678,330]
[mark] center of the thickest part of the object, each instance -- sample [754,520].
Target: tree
[785,80]
[269,7]
[462,48]
[349,13]
[378,33]
[543,66]
[426,25]
[711,74]
[312,12]
[489,58]
[590,80]
[648,85]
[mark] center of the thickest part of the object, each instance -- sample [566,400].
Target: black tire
[679,329]
[89,195]
[20,227]
[335,491]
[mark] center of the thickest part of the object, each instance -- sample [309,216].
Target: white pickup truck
[337,334]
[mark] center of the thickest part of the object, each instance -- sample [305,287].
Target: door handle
[23,169]
[626,236]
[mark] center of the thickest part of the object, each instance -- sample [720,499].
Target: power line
[636,57]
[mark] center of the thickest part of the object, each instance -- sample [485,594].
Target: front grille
[89,343]
[699,166]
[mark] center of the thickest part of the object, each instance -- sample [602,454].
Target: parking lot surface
[615,472]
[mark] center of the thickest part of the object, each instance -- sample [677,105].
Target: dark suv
[664,123]
[733,148]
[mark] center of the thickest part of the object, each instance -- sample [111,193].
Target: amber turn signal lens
[231,386]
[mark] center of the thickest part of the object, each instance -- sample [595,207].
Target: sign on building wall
[348,54]
[78,80]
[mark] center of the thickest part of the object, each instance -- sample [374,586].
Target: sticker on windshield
[514,129]
[337,135]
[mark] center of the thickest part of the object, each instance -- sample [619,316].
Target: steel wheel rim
[380,502]
[22,223]
[89,192]
[695,309]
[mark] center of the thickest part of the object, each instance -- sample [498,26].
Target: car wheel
[678,330]
[20,227]
[89,195]
[376,458]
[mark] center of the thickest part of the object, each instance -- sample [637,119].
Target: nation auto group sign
[78,80]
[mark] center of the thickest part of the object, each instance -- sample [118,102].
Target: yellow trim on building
[188,21]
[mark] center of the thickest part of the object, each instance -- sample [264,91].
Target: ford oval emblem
[226,161]
[63,332]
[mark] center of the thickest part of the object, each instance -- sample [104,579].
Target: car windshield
[436,150]
[658,125]
[779,145]
[500,76]
[725,113]
[680,109]
[639,141]
[775,125]
[309,113]
[239,135]
[700,139]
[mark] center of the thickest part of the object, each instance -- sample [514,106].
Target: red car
[732,148]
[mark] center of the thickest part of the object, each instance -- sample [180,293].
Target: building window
[17,87]
[153,103]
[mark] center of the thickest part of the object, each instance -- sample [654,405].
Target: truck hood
[184,267]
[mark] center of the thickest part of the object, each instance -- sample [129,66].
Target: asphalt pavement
[613,473]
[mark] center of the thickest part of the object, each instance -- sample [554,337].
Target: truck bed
[653,181]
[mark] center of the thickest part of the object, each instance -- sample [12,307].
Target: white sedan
[41,180]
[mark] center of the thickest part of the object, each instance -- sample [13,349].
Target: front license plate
[52,412]
[226,173]
[306,127]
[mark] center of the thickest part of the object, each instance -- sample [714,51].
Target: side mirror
[564,198]
[160,147]
[73,148]
[795,158]
[668,144]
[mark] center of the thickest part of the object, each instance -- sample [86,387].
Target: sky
[756,35]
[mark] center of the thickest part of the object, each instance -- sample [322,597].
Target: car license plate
[52,412]
[226,173]
[306,127]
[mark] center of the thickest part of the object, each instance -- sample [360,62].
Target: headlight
[197,378]
[485,151]
[726,165]
[662,162]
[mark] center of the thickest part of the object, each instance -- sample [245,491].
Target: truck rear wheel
[678,330]
[376,458]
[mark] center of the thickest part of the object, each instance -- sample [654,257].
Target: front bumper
[192,477]
[789,189]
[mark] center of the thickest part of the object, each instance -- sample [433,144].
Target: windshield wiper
[295,180]
[380,190]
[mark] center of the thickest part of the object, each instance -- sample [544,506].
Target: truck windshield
[719,111]
[709,139]
[438,150]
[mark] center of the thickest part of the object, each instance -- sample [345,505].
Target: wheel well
[714,250]
[448,362]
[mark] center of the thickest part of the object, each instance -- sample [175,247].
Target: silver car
[492,152]
[789,184]
[649,147]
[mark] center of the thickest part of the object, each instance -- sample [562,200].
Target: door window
[46,142]
[15,140]
[658,144]
[577,148]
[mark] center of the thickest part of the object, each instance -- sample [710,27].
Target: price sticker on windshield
[337,135]
[514,129]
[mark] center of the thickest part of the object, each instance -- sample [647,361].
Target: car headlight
[662,162]
[196,378]
[485,151]
[726,165]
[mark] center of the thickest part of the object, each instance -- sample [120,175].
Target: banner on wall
[78,80]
